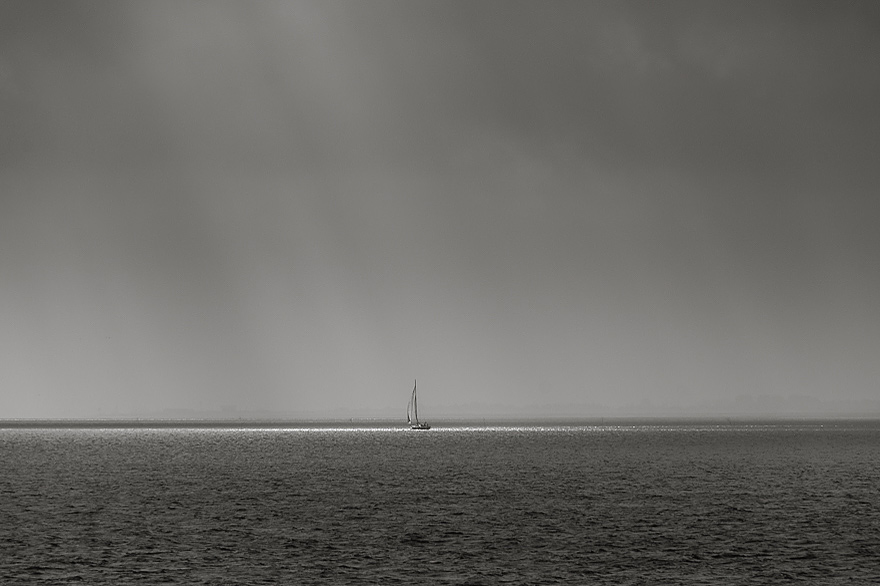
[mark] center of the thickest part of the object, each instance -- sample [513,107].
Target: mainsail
[412,412]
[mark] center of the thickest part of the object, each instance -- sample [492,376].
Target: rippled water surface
[644,504]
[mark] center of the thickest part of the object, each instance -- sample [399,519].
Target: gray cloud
[597,208]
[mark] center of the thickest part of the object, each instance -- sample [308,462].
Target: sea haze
[622,503]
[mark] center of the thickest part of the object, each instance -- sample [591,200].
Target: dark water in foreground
[645,504]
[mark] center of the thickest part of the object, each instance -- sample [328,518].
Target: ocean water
[646,503]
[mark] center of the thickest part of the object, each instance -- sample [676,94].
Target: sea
[589,503]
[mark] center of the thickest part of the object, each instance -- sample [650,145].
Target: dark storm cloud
[614,203]
[750,129]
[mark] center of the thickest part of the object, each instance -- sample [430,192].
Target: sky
[569,209]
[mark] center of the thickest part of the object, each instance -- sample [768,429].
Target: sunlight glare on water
[366,503]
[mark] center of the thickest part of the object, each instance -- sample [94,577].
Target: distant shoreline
[379,423]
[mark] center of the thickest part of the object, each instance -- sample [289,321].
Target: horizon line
[226,422]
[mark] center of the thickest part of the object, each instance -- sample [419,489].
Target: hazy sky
[548,208]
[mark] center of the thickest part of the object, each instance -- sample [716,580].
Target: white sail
[412,412]
[415,402]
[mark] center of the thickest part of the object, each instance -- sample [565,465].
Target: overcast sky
[546,208]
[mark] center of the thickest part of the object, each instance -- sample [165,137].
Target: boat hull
[420,426]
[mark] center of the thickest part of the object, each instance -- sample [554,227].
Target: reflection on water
[469,503]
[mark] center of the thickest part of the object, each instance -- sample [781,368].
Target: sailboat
[412,412]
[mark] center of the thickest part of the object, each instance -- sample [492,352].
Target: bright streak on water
[352,503]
